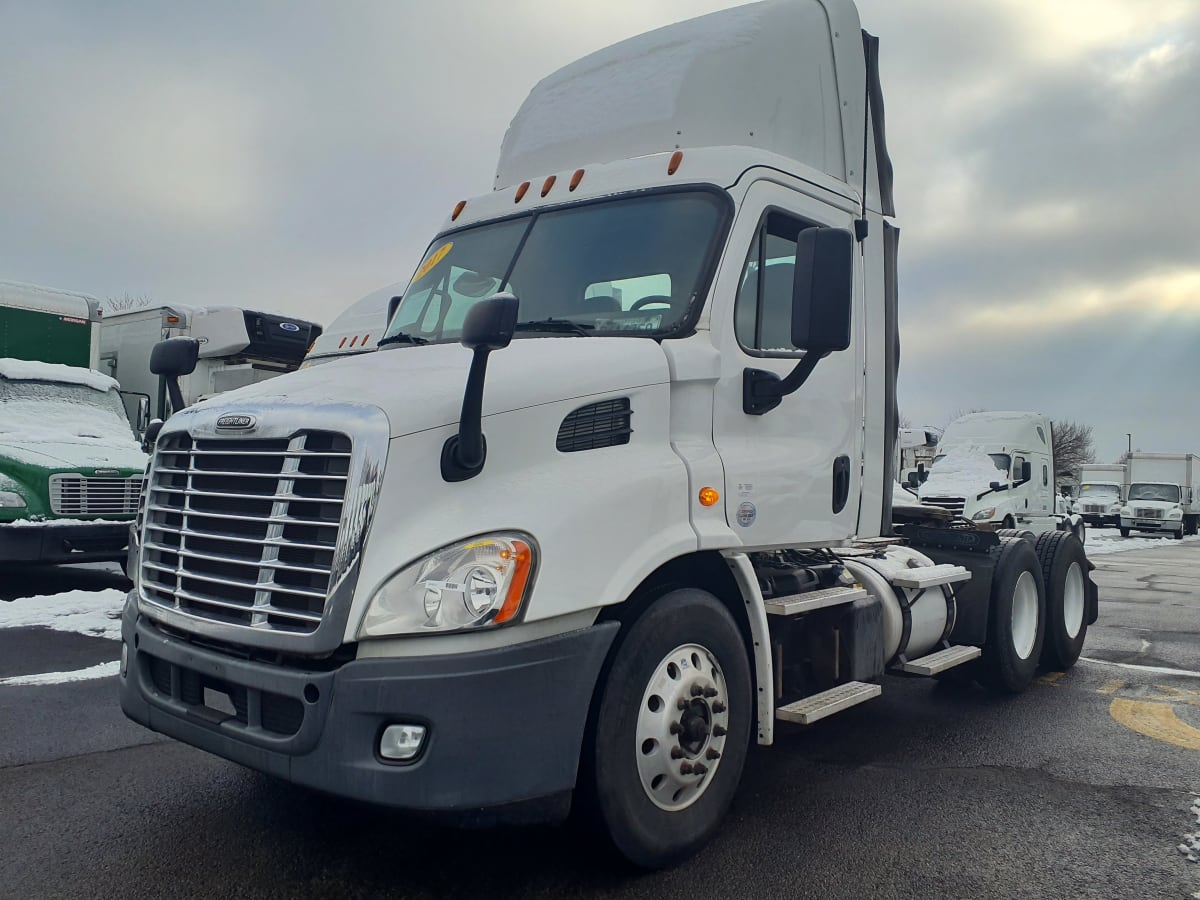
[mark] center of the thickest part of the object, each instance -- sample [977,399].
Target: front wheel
[1124,532]
[672,730]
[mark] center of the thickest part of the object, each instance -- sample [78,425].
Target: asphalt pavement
[1081,787]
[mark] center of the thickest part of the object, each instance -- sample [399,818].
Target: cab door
[794,474]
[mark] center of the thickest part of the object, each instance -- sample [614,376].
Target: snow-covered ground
[94,613]
[1100,543]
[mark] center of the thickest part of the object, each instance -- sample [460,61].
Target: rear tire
[1016,620]
[1064,574]
[636,770]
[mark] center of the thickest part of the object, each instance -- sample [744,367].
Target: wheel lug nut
[681,704]
[699,769]
[676,728]
[697,691]
[710,692]
[719,731]
[712,754]
[685,768]
[676,753]
[718,707]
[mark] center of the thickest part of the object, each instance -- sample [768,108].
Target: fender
[756,611]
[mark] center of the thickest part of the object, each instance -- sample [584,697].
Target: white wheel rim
[1024,615]
[1073,601]
[681,727]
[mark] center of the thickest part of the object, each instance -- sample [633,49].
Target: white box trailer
[237,347]
[1102,488]
[1164,494]
[613,495]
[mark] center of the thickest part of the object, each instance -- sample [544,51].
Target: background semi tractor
[612,498]
[237,347]
[1163,494]
[1102,488]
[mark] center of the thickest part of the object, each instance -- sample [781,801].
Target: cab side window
[1045,476]
[763,311]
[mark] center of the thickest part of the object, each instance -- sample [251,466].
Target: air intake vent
[604,424]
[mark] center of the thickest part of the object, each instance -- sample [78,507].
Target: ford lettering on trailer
[236,421]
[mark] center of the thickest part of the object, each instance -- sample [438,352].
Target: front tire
[1064,574]
[672,730]
[1016,618]
[1124,531]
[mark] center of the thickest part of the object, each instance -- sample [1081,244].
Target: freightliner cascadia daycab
[612,497]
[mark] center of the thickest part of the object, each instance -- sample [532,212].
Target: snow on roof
[47,299]
[30,370]
[963,471]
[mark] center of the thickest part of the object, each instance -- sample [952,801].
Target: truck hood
[74,454]
[422,387]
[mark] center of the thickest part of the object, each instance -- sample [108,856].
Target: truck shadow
[34,581]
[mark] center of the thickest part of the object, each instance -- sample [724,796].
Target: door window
[763,311]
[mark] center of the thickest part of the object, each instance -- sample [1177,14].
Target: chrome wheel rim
[681,727]
[1024,615]
[1073,601]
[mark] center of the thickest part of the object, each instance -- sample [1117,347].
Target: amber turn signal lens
[521,191]
[458,208]
[548,184]
[676,159]
[575,179]
[709,496]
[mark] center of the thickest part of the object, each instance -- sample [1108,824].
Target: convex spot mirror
[823,290]
[175,357]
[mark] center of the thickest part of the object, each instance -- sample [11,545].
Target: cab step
[930,576]
[940,661]
[818,706]
[795,604]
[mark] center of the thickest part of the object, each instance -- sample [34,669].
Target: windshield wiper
[559,326]
[401,338]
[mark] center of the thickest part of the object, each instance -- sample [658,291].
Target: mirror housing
[823,290]
[172,359]
[822,295]
[914,480]
[489,326]
[393,305]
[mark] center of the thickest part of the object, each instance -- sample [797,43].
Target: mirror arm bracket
[464,453]
[762,391]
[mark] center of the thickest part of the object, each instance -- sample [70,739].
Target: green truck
[71,469]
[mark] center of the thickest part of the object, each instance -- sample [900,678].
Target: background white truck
[355,330]
[1164,494]
[1101,493]
[557,547]
[237,347]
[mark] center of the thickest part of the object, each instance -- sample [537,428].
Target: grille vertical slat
[244,531]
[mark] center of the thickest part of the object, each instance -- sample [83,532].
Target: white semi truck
[612,499]
[237,347]
[356,329]
[1163,495]
[1102,488]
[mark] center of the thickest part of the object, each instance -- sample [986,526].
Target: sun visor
[786,76]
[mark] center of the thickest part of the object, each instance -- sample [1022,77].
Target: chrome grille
[954,505]
[1147,512]
[1093,507]
[245,531]
[79,495]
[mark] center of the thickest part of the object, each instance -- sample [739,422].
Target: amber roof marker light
[521,191]
[458,208]
[548,184]
[575,179]
[676,159]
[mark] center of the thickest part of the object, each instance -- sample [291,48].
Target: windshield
[1002,461]
[1108,492]
[633,265]
[1168,493]
[54,410]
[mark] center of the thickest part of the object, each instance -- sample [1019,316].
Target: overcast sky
[295,156]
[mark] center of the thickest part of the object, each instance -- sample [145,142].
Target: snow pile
[94,613]
[100,670]
[29,370]
[1191,841]
[963,471]
[1102,546]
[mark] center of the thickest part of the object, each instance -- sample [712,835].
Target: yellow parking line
[1051,677]
[1111,687]
[1155,720]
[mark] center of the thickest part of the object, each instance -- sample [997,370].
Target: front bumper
[505,726]
[1171,525]
[49,543]
[1098,520]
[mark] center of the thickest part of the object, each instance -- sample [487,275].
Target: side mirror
[489,326]
[143,413]
[914,480]
[393,305]
[922,473]
[822,295]
[995,485]
[172,359]
[151,435]
[823,290]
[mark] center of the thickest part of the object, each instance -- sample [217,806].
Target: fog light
[401,742]
[124,658]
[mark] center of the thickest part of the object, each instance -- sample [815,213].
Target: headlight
[467,585]
[1176,513]
[984,514]
[1126,512]
[11,500]
[1115,508]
